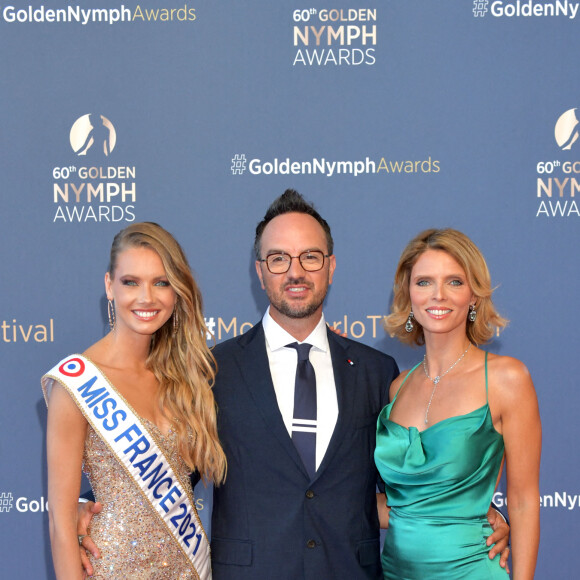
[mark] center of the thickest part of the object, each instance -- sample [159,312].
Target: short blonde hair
[468,256]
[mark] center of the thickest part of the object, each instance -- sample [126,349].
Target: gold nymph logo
[93,133]
[566,130]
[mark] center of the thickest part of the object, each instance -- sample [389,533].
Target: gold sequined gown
[134,543]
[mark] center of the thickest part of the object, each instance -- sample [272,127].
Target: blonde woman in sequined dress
[157,359]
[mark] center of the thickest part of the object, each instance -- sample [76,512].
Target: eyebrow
[309,249]
[156,279]
[456,275]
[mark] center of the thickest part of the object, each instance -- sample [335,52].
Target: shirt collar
[277,337]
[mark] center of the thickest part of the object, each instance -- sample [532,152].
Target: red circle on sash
[73,367]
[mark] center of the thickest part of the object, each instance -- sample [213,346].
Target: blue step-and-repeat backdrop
[392,116]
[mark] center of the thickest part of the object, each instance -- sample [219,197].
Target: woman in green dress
[453,420]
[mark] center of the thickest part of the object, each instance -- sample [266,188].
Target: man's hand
[85,515]
[500,537]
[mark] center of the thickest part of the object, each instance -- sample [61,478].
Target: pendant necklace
[438,378]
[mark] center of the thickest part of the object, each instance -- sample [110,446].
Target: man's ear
[331,267]
[260,273]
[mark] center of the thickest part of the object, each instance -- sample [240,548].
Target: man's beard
[293,312]
[297,311]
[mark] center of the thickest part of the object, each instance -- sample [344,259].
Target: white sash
[126,435]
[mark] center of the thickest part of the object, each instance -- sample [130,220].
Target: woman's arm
[66,432]
[522,433]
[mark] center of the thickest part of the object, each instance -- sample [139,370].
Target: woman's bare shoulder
[507,367]
[396,384]
[509,377]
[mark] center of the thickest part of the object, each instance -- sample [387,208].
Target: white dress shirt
[283,363]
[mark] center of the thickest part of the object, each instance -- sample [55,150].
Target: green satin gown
[439,484]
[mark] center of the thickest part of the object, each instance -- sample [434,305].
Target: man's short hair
[290,202]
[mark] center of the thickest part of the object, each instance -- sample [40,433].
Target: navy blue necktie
[304,421]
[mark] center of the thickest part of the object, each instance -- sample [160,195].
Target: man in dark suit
[271,519]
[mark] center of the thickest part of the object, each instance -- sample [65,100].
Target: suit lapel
[344,369]
[254,366]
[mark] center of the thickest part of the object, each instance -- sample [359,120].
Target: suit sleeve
[391,373]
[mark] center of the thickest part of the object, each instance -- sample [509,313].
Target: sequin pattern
[133,542]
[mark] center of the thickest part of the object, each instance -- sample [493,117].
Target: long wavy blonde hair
[179,356]
[469,257]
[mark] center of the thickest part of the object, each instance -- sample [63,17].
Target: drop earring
[409,324]
[472,313]
[111,313]
[175,321]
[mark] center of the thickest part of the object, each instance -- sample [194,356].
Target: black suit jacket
[270,521]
